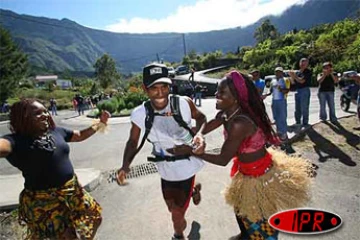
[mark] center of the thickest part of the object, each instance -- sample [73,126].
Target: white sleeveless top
[166,133]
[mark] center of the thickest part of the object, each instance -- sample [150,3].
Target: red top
[251,144]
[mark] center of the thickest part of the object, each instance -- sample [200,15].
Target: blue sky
[140,16]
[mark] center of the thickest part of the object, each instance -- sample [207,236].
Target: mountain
[63,44]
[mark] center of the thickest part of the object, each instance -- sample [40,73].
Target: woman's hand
[104,116]
[198,140]
[180,150]
[199,149]
[199,144]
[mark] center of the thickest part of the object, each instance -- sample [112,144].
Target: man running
[169,119]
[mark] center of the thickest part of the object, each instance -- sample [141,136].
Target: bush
[110,105]
[121,105]
[4,117]
[130,105]
[135,98]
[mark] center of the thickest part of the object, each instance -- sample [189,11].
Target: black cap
[155,73]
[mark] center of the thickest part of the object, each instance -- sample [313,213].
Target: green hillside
[58,45]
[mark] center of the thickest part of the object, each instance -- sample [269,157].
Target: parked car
[171,72]
[180,70]
[268,80]
[346,75]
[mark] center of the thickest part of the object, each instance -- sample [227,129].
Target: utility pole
[184,44]
[158,59]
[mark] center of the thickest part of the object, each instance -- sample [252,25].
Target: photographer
[327,81]
[302,80]
[356,78]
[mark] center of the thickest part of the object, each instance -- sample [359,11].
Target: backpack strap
[175,109]
[150,114]
[149,119]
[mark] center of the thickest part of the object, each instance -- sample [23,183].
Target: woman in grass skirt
[264,181]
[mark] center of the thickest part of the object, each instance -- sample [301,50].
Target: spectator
[327,81]
[302,80]
[279,105]
[89,103]
[5,107]
[80,104]
[259,83]
[74,102]
[53,106]
[356,78]
[197,94]
[192,71]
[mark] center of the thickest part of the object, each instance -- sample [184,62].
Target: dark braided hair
[20,117]
[255,108]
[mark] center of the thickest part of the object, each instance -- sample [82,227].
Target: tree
[192,55]
[105,71]
[265,31]
[13,65]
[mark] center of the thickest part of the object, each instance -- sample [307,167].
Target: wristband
[99,127]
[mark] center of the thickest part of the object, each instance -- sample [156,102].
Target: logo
[305,221]
[156,70]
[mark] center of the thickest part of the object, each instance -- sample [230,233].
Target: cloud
[206,15]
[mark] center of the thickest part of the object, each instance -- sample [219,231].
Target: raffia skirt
[284,186]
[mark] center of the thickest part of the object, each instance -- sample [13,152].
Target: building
[62,83]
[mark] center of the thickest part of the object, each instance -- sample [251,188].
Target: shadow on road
[294,128]
[71,117]
[351,139]
[354,112]
[194,231]
[326,149]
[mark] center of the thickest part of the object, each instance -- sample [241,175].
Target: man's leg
[177,196]
[322,101]
[277,114]
[195,99]
[273,109]
[331,102]
[283,119]
[305,104]
[298,107]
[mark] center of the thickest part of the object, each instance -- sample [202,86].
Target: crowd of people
[264,180]
[300,82]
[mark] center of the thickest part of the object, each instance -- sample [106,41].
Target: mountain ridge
[59,45]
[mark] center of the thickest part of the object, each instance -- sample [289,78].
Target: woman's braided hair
[254,108]
[20,117]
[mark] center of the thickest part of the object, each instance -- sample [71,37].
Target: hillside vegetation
[58,45]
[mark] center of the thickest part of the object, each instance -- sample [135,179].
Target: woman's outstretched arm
[213,124]
[236,134]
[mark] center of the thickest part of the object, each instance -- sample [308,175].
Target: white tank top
[166,133]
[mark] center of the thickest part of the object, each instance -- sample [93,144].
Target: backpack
[176,114]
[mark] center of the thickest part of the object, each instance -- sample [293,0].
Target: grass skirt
[286,185]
